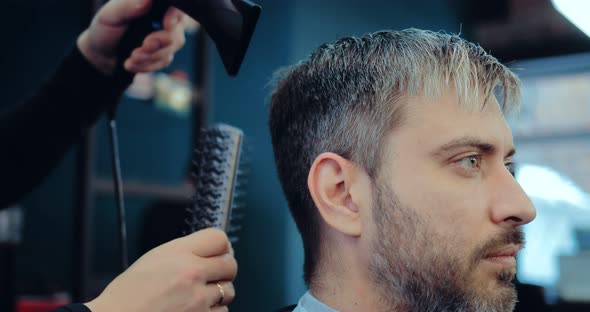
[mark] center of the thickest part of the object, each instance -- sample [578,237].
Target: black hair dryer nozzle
[229,23]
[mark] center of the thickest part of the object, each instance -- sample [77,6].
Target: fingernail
[227,257]
[128,65]
[153,45]
[140,56]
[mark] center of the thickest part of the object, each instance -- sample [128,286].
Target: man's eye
[472,162]
[511,167]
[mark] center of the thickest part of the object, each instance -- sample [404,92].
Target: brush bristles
[216,162]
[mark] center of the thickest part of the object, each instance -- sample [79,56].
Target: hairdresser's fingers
[209,242]
[155,57]
[173,18]
[148,48]
[147,66]
[216,242]
[121,12]
[161,42]
[219,268]
[150,62]
[165,38]
[214,294]
[176,18]
[156,52]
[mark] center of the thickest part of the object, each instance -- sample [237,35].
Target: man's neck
[347,290]
[343,281]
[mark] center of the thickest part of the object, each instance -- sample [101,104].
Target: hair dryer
[229,23]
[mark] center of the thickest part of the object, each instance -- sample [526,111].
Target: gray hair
[350,93]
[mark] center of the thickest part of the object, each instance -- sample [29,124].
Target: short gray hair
[350,93]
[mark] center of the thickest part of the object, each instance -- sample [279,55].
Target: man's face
[447,211]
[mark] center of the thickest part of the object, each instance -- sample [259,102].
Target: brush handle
[139,28]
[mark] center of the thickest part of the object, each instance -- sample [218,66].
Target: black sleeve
[76,307]
[36,134]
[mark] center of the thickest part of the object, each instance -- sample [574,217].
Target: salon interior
[59,244]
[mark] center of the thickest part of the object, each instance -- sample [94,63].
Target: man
[395,158]
[192,273]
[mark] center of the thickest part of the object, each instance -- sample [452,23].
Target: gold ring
[221,292]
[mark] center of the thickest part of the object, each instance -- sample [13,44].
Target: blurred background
[157,117]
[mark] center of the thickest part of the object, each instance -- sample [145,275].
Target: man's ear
[340,190]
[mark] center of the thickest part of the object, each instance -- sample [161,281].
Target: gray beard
[415,273]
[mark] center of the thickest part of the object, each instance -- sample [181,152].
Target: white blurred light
[562,207]
[576,11]
[550,185]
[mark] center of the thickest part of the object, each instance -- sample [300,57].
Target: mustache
[514,236]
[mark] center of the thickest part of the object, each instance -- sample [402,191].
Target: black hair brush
[216,179]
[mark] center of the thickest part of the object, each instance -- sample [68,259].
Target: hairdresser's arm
[36,134]
[179,276]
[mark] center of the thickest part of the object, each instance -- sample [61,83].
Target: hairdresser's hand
[178,276]
[99,42]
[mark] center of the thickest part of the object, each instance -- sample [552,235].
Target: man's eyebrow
[483,146]
[510,153]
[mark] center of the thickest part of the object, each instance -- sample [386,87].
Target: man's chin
[505,297]
[497,274]
[494,289]
[506,277]
[501,299]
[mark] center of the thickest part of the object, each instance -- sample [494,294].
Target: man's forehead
[434,120]
[453,101]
